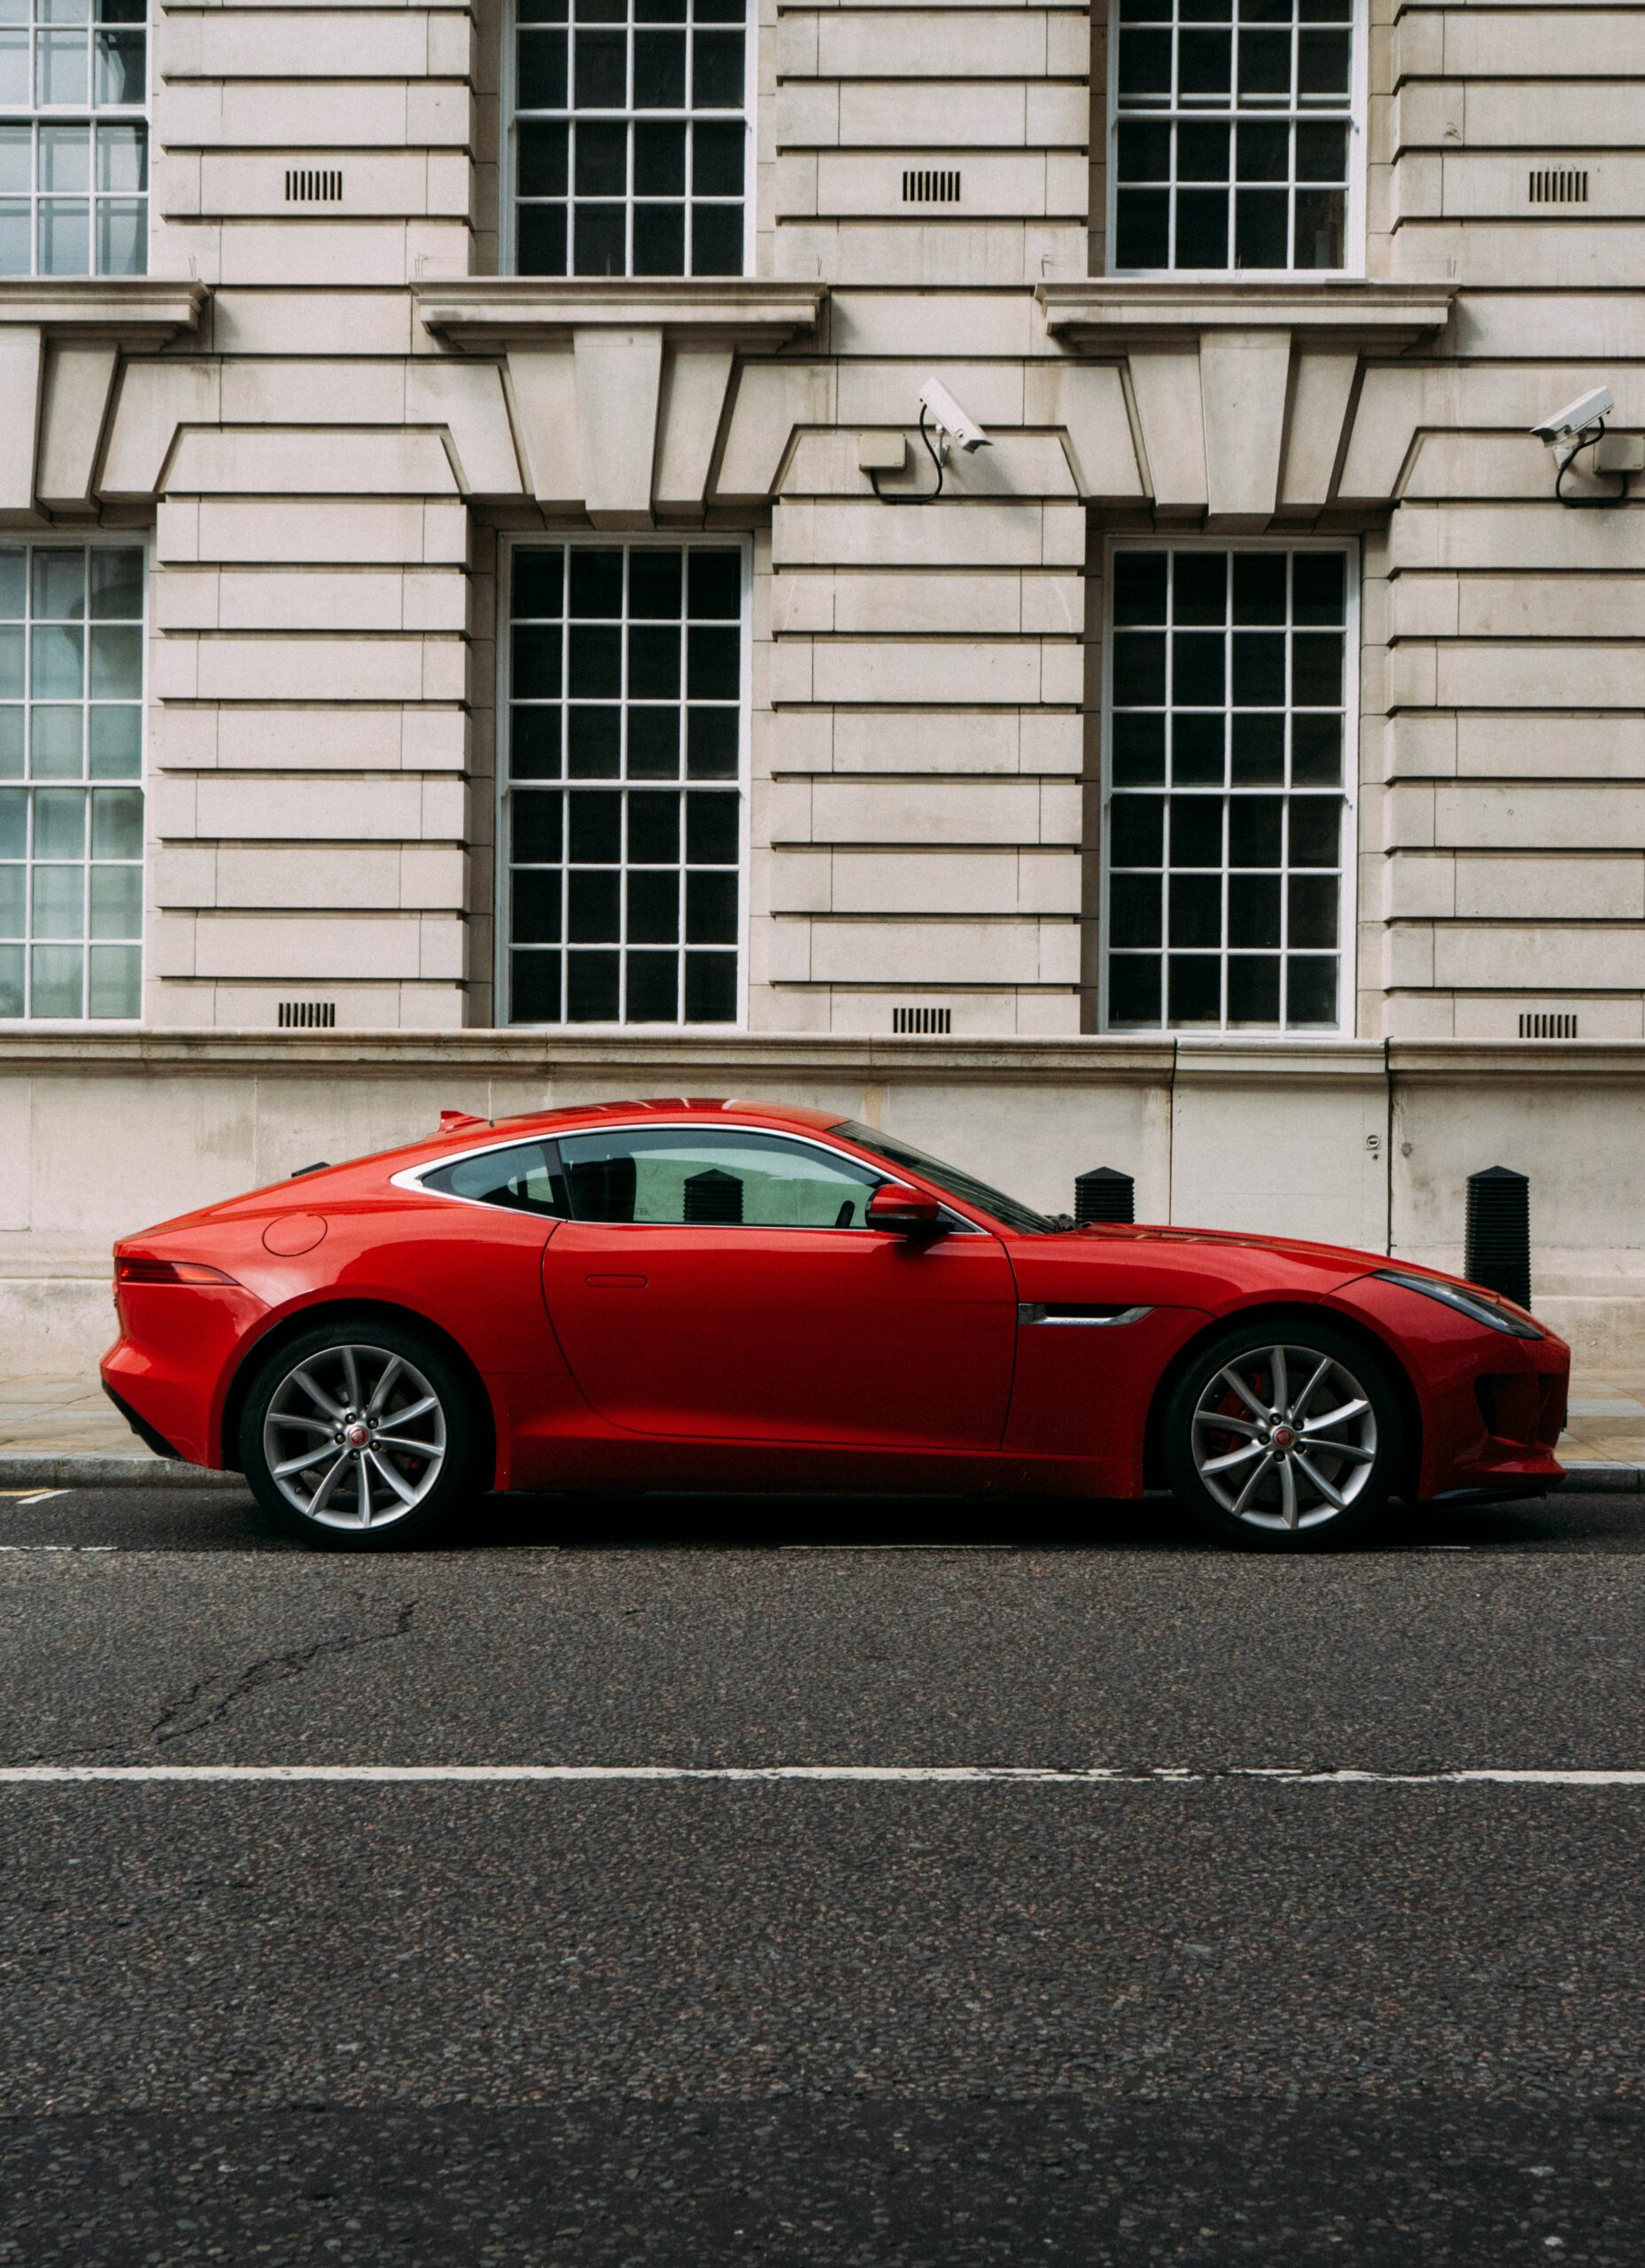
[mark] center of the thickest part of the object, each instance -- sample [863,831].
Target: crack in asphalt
[209,1700]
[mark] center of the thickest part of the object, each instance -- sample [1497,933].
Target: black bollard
[713,1197]
[1104,1195]
[1498,1232]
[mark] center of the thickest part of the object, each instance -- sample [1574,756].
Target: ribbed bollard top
[1498,1232]
[1104,1195]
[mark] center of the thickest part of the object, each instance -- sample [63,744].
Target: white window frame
[92,540]
[1347,906]
[1355,230]
[502,893]
[35,114]
[507,218]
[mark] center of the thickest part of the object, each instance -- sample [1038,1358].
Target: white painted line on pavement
[58,1547]
[882,1774]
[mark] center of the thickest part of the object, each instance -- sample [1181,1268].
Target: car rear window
[524,1178]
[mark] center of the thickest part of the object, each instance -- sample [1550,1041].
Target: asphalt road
[1182,2014]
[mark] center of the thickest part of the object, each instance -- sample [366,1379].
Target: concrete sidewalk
[64,1433]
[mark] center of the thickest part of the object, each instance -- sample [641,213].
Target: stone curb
[23,1469]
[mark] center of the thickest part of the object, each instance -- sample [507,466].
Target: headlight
[1474,1305]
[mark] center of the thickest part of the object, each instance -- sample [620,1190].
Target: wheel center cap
[359,1435]
[1284,1437]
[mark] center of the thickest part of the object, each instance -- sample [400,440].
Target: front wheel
[361,1433]
[1284,1439]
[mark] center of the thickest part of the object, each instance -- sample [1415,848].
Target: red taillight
[132,1269]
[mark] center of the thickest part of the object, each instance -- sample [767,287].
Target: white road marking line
[58,1547]
[882,1775]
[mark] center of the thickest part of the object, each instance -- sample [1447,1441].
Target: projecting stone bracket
[61,338]
[620,390]
[1245,393]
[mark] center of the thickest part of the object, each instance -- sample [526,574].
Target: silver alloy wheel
[354,1437]
[1285,1437]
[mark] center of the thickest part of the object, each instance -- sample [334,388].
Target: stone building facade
[475,630]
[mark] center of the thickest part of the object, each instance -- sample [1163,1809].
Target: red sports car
[701,1294]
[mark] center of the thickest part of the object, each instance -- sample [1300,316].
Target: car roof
[673,1106]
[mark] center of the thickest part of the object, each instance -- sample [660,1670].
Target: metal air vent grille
[930,1022]
[314,185]
[931,185]
[1559,185]
[1543,1023]
[307,1015]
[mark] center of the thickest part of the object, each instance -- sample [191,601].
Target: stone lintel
[135,311]
[1110,312]
[489,312]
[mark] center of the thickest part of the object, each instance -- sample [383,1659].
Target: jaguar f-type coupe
[735,1296]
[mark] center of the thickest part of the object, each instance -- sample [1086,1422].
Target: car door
[720,1283]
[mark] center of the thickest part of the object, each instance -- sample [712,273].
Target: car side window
[524,1178]
[676,1176]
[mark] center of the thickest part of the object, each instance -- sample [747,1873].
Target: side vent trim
[307,1015]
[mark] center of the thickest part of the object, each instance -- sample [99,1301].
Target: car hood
[1186,1267]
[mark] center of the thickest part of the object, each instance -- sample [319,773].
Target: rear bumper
[149,1435]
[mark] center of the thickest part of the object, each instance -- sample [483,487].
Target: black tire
[422,1391]
[1250,1502]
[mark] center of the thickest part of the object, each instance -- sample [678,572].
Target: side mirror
[903,1212]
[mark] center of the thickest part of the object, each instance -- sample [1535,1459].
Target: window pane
[542,70]
[57,741]
[716,239]
[541,240]
[659,70]
[1134,989]
[57,979]
[56,660]
[63,237]
[122,157]
[534,987]
[11,980]
[602,70]
[116,664]
[11,737]
[117,823]
[61,67]
[116,584]
[14,239]
[711,987]
[117,902]
[660,159]
[716,70]
[716,158]
[714,584]
[14,69]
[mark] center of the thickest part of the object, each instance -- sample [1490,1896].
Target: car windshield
[965,1186]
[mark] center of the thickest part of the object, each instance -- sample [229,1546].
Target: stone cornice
[130,310]
[1119,310]
[737,1060]
[733,1061]
[488,312]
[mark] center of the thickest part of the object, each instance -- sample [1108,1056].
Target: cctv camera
[949,418]
[1575,417]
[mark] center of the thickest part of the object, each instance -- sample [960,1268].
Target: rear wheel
[361,1433]
[1284,1439]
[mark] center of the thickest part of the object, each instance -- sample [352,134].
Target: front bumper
[1492,1408]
